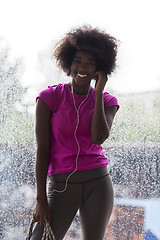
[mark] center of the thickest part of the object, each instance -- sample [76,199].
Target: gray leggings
[90,192]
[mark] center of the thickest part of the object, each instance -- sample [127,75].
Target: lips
[81,75]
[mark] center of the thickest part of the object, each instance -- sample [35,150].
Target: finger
[96,76]
[49,218]
[35,218]
[42,221]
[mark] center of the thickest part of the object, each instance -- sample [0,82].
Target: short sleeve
[110,100]
[49,97]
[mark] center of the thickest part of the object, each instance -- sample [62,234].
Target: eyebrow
[90,59]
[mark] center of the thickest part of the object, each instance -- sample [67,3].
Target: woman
[72,121]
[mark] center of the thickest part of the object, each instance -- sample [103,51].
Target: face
[83,67]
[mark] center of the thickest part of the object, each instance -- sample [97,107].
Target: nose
[83,67]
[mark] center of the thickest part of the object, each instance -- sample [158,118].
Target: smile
[81,75]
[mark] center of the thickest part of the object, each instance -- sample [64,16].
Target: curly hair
[93,40]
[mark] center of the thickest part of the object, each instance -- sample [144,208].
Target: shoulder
[58,87]
[110,100]
[52,91]
[55,88]
[52,95]
[108,96]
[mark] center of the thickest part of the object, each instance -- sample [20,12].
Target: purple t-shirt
[63,145]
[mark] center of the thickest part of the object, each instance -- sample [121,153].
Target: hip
[80,176]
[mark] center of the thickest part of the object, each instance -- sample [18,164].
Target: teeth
[82,75]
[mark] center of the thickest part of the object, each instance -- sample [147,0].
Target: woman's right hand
[41,212]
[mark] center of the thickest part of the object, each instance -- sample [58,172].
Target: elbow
[100,139]
[42,152]
[97,142]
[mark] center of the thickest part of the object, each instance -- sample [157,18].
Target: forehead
[84,54]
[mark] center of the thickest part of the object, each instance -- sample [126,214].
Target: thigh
[96,208]
[63,207]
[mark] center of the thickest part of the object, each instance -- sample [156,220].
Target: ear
[96,76]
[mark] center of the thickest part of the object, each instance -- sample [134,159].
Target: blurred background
[28,33]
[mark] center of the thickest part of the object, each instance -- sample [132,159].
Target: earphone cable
[75,136]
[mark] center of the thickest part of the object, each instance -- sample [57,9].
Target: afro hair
[93,40]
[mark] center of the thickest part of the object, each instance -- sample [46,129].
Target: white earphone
[75,136]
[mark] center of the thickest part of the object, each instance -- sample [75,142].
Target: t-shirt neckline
[78,94]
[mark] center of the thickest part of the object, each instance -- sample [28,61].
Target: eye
[92,63]
[76,61]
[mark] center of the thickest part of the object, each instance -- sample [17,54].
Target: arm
[102,118]
[43,115]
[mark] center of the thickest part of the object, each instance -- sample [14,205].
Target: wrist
[99,92]
[41,198]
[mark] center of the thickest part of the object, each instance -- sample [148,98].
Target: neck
[80,90]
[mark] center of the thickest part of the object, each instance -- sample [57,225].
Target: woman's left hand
[101,79]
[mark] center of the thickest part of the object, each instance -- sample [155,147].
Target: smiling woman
[71,153]
[102,45]
[83,69]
